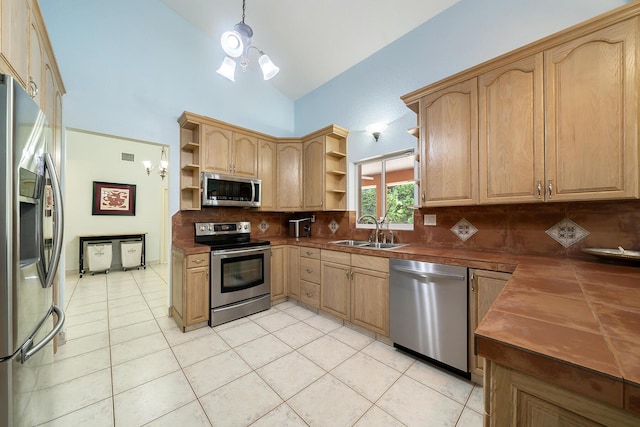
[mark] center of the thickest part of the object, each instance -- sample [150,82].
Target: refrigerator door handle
[57,224]
[28,349]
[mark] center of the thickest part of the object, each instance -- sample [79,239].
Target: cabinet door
[14,36]
[484,289]
[449,166]
[267,173]
[370,300]
[313,174]
[289,177]
[35,83]
[334,292]
[293,271]
[511,132]
[215,149]
[196,296]
[245,155]
[278,288]
[591,115]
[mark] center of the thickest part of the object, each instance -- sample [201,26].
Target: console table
[108,238]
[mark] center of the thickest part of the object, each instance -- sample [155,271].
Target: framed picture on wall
[110,198]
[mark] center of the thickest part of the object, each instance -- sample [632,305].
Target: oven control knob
[245,226]
[211,228]
[202,228]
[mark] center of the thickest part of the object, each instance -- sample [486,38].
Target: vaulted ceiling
[311,41]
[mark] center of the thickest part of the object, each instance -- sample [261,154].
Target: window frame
[383,187]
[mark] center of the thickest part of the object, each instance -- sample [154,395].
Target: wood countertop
[573,323]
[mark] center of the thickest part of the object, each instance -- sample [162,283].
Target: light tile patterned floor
[126,363]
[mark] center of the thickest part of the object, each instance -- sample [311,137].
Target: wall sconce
[162,167]
[376,129]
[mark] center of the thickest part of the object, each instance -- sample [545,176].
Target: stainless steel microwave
[230,190]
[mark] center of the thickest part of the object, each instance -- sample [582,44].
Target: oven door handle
[233,253]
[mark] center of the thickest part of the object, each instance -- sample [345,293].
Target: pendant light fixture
[162,166]
[236,44]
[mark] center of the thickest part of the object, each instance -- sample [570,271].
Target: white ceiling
[312,41]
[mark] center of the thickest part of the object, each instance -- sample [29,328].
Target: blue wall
[132,66]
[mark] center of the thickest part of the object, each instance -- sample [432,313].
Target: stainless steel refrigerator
[31,222]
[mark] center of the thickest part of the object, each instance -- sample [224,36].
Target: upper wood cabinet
[592,115]
[557,121]
[267,173]
[511,132]
[325,169]
[289,176]
[449,157]
[228,152]
[14,41]
[190,133]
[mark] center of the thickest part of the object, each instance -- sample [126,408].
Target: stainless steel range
[240,270]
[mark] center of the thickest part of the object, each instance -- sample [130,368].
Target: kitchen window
[386,188]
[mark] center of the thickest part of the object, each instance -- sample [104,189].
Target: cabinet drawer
[310,293]
[310,252]
[337,257]
[310,270]
[198,260]
[370,262]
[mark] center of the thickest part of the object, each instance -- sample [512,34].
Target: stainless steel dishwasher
[428,311]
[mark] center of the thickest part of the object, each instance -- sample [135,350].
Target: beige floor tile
[156,293]
[376,417]
[298,334]
[199,349]
[299,312]
[131,332]
[79,393]
[126,351]
[80,319]
[323,323]
[366,375]
[470,418]
[476,400]
[351,337]
[86,329]
[327,352]
[415,404]
[263,313]
[285,305]
[127,308]
[328,402]
[290,374]
[117,302]
[282,416]
[82,345]
[130,318]
[228,407]
[73,367]
[75,308]
[160,312]
[157,302]
[232,324]
[440,380]
[175,336]
[241,334]
[275,321]
[215,372]
[189,415]
[143,369]
[167,323]
[99,414]
[151,400]
[262,350]
[389,355]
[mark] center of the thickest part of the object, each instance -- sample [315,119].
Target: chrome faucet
[375,221]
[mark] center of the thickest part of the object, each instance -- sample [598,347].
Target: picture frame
[110,198]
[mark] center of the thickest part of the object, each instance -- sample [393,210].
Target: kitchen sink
[367,244]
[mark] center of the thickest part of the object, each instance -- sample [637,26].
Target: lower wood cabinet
[356,288]
[484,287]
[278,273]
[310,276]
[292,262]
[190,289]
[517,399]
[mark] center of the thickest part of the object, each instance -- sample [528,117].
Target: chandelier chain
[243,8]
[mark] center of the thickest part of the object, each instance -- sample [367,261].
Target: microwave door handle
[57,224]
[253,191]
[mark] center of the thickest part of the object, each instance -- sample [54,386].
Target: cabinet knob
[539,188]
[33,88]
[550,188]
[309,271]
[309,294]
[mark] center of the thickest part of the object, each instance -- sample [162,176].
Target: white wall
[95,157]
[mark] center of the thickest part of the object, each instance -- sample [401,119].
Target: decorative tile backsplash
[333,226]
[464,229]
[567,232]
[263,226]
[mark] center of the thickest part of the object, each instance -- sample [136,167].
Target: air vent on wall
[127,157]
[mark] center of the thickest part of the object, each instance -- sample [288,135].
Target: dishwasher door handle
[427,274]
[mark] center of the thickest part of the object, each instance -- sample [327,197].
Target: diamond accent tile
[333,226]
[464,229]
[567,232]
[263,226]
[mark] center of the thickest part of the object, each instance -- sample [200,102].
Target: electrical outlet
[313,218]
[429,220]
